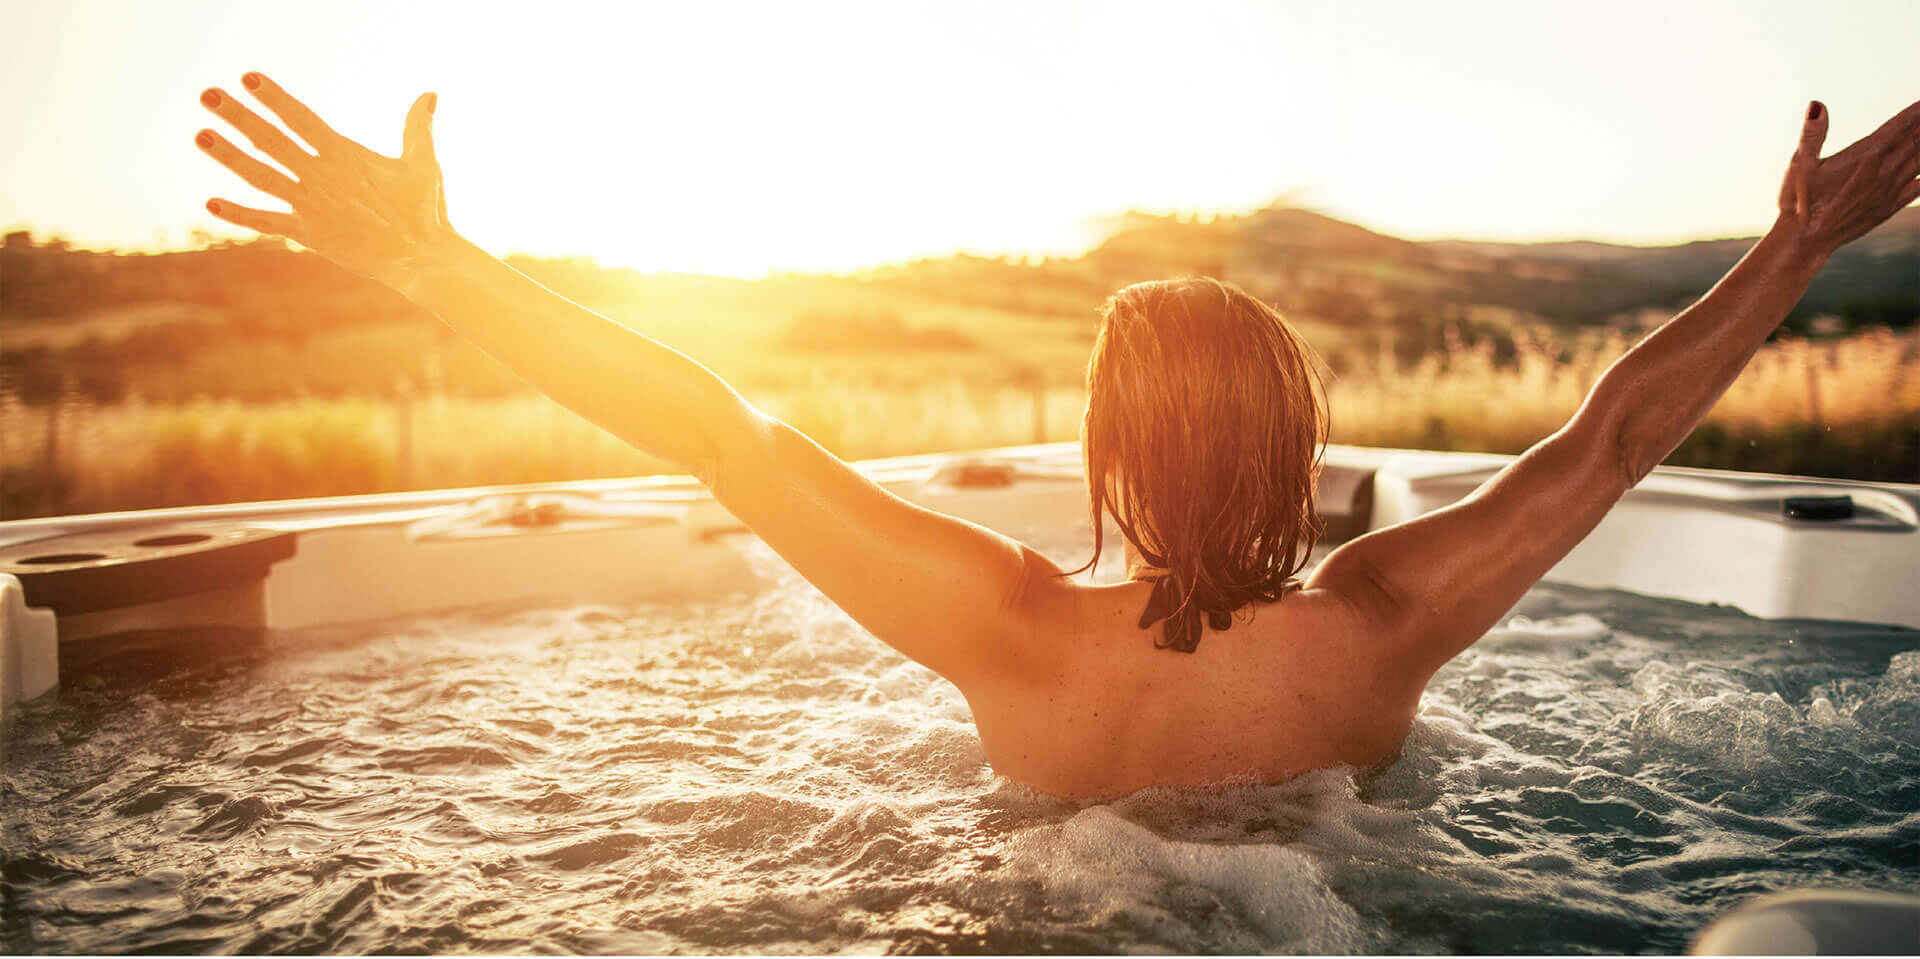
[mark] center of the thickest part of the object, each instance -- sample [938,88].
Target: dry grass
[138,455]
[1842,408]
[1862,379]
[1865,378]
[1462,400]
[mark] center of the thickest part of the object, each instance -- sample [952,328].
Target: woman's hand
[1834,201]
[369,213]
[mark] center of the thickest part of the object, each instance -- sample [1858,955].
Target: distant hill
[1320,268]
[1881,268]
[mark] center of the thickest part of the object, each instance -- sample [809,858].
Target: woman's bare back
[1294,686]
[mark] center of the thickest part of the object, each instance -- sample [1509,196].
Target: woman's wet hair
[1205,425]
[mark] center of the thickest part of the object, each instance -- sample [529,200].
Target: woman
[1169,678]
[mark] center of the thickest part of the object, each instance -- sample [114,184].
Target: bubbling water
[750,771]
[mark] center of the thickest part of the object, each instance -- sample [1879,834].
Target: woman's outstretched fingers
[261,221]
[295,114]
[362,210]
[259,175]
[266,136]
[416,141]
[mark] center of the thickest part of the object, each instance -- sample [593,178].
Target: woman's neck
[1137,566]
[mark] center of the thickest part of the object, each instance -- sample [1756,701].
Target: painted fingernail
[213,207]
[210,99]
[205,139]
[251,81]
[1813,112]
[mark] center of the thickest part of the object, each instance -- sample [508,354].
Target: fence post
[50,457]
[403,434]
[556,439]
[1813,387]
[6,426]
[1039,409]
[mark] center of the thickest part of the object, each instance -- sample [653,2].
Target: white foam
[1706,712]
[1891,707]
[1522,632]
[1107,868]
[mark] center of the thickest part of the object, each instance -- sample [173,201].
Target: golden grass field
[1846,408]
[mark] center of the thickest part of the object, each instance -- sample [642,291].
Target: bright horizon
[742,138]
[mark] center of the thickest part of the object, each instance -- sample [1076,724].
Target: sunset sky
[741,137]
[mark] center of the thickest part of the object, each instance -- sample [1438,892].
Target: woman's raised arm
[1436,583]
[952,595]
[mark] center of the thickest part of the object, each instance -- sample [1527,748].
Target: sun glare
[743,137]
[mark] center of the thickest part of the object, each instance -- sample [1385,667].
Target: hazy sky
[738,137]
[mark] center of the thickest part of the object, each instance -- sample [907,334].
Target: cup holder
[117,568]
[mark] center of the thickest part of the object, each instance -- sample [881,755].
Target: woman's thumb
[1814,132]
[416,142]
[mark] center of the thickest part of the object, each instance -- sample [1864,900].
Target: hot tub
[596,717]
